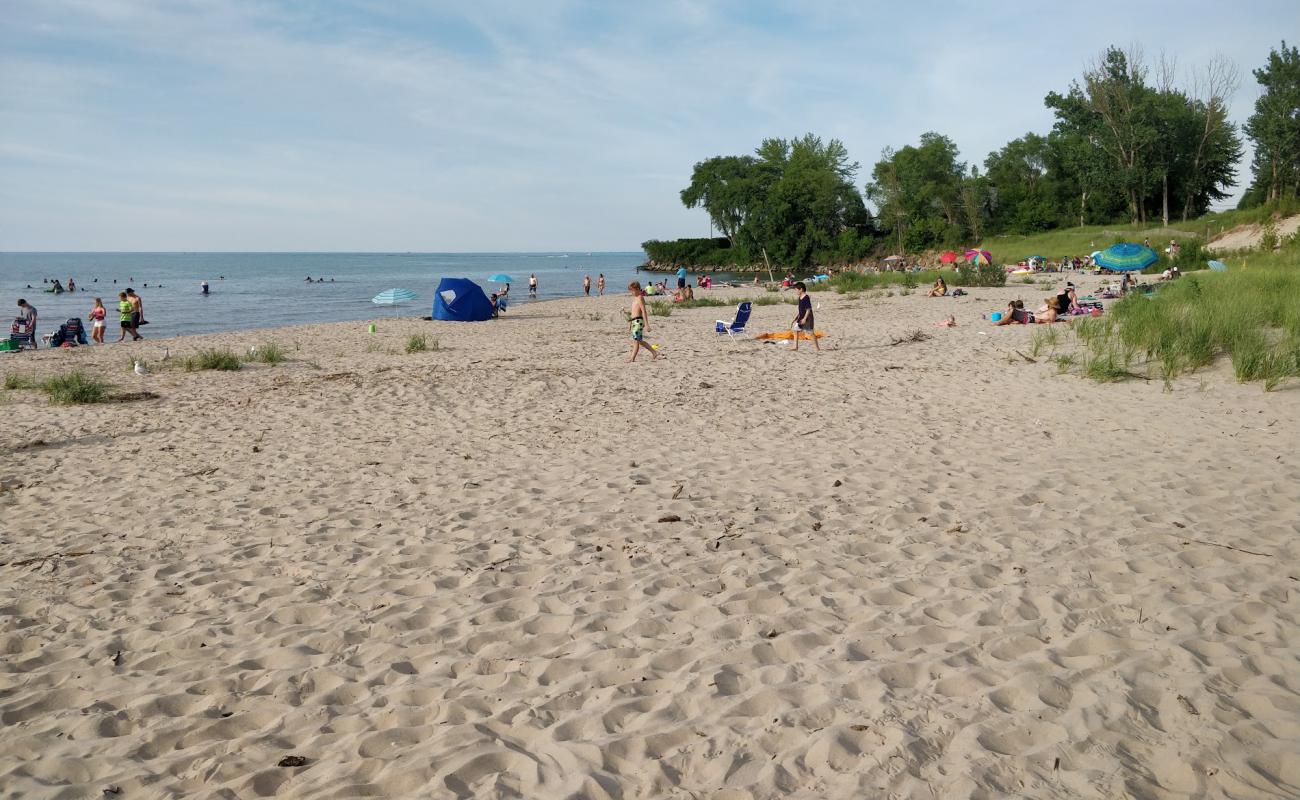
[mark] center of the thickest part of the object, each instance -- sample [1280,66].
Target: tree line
[1130,143]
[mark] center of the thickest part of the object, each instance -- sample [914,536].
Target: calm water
[267,289]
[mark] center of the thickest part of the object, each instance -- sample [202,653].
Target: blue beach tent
[461,300]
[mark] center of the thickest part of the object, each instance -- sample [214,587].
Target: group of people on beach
[1063,304]
[639,317]
[130,314]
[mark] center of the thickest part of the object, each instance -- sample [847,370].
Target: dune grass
[14,382]
[73,388]
[661,308]
[269,353]
[212,359]
[419,343]
[1252,317]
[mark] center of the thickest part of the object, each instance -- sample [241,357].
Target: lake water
[257,290]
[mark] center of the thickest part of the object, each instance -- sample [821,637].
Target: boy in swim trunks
[638,320]
[803,321]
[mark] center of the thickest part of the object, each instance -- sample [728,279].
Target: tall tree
[727,188]
[1111,107]
[1275,128]
[1023,193]
[918,190]
[1215,147]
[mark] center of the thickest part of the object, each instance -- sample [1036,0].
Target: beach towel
[785,336]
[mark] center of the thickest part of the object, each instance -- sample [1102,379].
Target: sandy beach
[518,567]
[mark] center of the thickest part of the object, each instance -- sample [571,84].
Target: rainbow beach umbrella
[1126,257]
[978,257]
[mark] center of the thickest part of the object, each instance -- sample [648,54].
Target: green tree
[1023,196]
[727,187]
[917,190]
[1275,129]
[1112,109]
[810,205]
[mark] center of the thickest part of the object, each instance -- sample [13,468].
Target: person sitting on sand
[940,288]
[1016,315]
[1067,301]
[1047,312]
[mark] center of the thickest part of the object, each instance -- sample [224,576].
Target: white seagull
[139,369]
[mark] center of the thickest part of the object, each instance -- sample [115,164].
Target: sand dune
[915,571]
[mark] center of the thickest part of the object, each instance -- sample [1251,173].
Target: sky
[510,125]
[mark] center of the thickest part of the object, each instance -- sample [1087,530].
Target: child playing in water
[97,315]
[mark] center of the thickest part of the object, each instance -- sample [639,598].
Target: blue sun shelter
[461,300]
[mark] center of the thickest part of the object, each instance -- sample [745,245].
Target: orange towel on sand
[785,336]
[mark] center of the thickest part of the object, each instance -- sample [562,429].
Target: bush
[212,359]
[661,308]
[981,275]
[75,388]
[416,344]
[269,353]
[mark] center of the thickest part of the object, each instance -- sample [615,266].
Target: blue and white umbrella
[391,297]
[1217,266]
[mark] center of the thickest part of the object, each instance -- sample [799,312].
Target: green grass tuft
[14,381]
[212,359]
[269,353]
[75,388]
[661,308]
[416,344]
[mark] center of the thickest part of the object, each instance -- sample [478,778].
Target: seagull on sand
[139,369]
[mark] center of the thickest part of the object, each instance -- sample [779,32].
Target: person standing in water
[96,318]
[600,285]
[137,318]
[639,320]
[586,285]
[532,287]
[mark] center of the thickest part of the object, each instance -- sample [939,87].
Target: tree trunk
[1083,206]
[1164,210]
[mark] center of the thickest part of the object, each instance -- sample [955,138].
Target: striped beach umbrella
[1126,257]
[979,257]
[391,297]
[1217,266]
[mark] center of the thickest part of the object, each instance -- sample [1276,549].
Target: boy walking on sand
[803,320]
[638,319]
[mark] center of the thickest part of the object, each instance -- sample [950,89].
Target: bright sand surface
[928,570]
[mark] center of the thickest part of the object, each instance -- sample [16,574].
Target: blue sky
[399,125]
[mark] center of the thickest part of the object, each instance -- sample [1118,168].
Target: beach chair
[22,335]
[738,324]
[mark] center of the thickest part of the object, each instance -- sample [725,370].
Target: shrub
[982,275]
[416,344]
[75,388]
[661,308]
[212,359]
